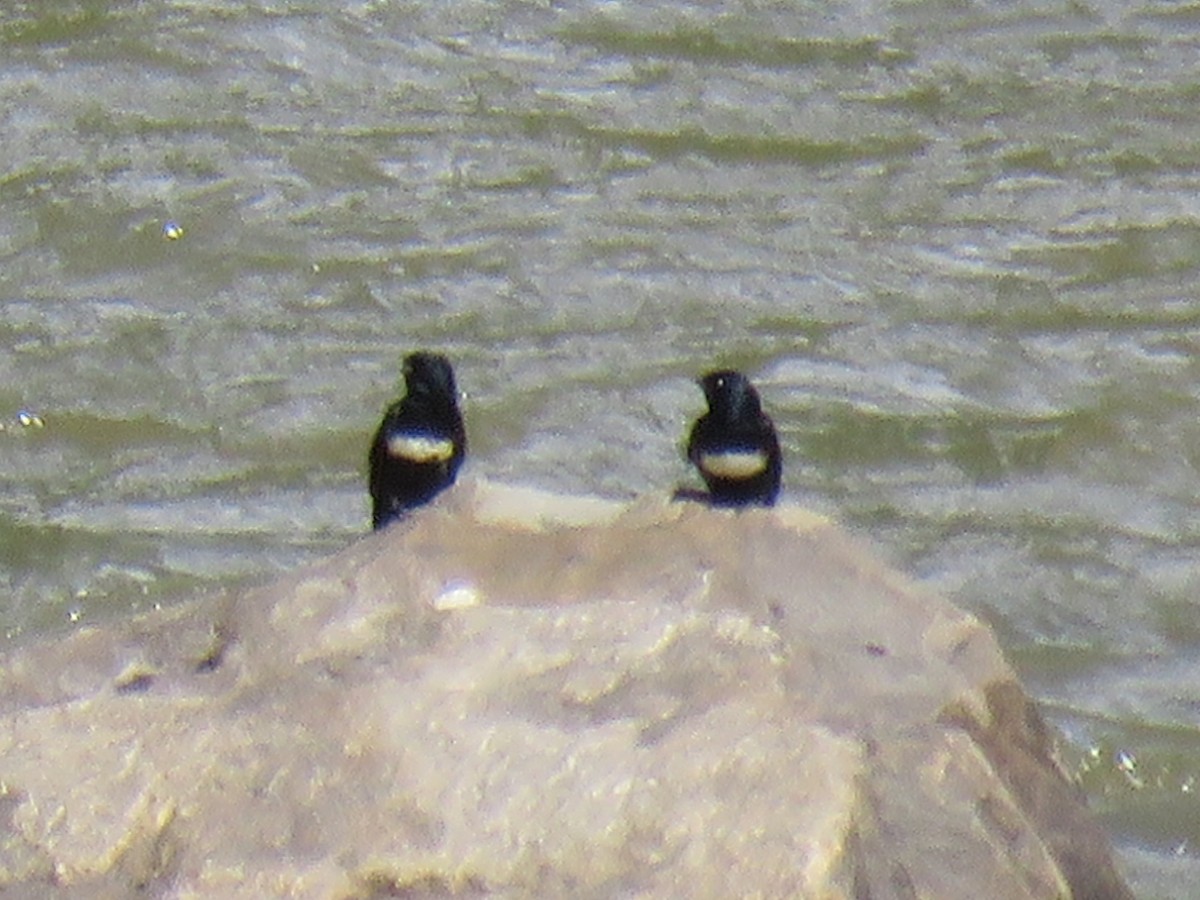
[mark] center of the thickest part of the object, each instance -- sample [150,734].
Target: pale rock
[517,694]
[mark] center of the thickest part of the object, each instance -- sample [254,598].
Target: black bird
[421,442]
[734,444]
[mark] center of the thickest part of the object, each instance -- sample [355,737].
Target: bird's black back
[734,445]
[421,442]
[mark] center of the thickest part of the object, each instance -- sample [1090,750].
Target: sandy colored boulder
[515,694]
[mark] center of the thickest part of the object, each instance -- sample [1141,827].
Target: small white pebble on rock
[457,596]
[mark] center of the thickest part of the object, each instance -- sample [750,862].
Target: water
[954,242]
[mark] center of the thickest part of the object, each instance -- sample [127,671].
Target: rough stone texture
[513,694]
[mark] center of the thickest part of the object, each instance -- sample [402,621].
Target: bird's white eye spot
[420,448]
[734,464]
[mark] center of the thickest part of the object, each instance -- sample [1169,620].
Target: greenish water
[955,243]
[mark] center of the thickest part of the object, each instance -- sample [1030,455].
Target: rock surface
[513,694]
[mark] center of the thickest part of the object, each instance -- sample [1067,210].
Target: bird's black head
[730,395]
[428,376]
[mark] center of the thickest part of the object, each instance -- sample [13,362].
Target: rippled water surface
[954,242]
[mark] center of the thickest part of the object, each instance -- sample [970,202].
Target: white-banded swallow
[734,445]
[421,441]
